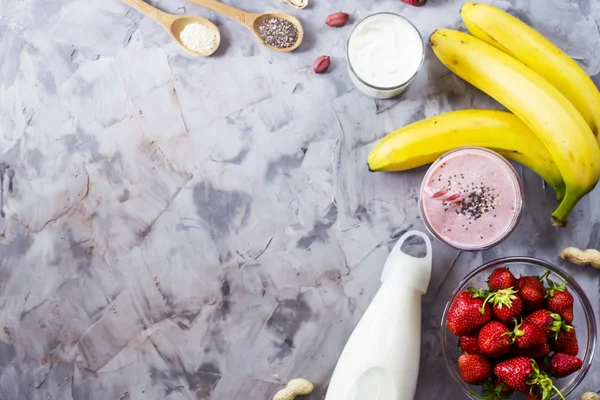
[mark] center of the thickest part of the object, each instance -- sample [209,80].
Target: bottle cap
[402,269]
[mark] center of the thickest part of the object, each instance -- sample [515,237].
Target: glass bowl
[584,322]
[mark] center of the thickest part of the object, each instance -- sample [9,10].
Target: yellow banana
[424,141]
[509,34]
[535,101]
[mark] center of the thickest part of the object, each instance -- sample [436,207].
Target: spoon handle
[149,10]
[240,16]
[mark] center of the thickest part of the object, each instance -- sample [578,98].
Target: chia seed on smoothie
[490,203]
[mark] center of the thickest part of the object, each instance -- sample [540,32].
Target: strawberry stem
[477,294]
[554,287]
[543,381]
[544,275]
[559,393]
[559,325]
[489,297]
[516,332]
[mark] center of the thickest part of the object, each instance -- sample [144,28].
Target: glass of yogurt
[471,198]
[384,52]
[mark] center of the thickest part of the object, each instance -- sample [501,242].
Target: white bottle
[381,359]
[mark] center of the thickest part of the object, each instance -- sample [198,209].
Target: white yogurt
[385,52]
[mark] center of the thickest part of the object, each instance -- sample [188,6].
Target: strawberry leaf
[540,379]
[503,297]
[492,392]
[478,293]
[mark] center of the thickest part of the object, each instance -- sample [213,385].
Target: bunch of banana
[424,141]
[509,34]
[556,102]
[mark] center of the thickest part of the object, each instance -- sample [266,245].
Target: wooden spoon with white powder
[197,36]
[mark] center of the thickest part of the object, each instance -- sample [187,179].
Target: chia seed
[278,32]
[478,202]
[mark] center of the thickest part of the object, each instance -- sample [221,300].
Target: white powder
[198,38]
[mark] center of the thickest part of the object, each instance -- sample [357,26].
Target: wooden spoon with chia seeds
[277,31]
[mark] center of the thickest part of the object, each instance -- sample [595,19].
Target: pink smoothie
[491,199]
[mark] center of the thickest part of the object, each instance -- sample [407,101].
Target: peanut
[337,20]
[589,396]
[295,387]
[298,3]
[589,257]
[322,64]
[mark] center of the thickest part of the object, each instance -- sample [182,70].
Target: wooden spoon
[253,20]
[174,24]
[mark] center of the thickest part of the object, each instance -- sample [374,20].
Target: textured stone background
[207,228]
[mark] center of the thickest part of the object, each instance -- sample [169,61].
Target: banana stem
[560,192]
[560,215]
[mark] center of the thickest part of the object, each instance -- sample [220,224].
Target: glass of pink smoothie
[471,198]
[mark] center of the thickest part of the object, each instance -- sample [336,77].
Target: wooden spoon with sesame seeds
[265,22]
[174,24]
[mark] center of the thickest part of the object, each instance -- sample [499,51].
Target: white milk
[381,359]
[385,52]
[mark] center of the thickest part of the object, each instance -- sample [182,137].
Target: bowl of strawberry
[518,328]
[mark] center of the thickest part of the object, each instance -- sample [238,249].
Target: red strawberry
[532,292]
[416,3]
[515,373]
[469,344]
[539,351]
[565,342]
[494,339]
[527,336]
[562,304]
[562,365]
[507,305]
[468,313]
[522,281]
[524,375]
[501,278]
[533,352]
[474,368]
[560,301]
[548,322]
